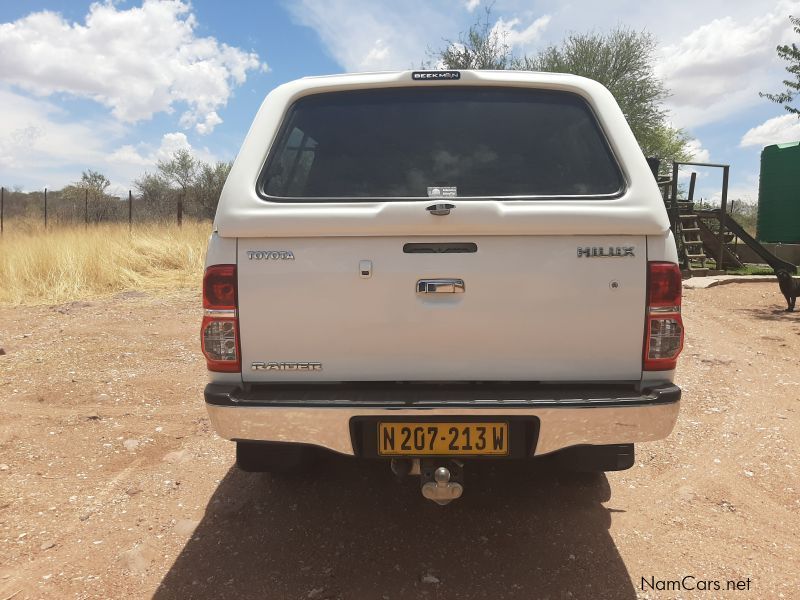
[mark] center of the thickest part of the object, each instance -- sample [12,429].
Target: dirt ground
[112,484]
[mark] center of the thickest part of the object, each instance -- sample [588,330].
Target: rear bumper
[322,415]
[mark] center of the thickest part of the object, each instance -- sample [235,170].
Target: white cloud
[719,68]
[138,61]
[129,162]
[146,156]
[699,154]
[129,155]
[33,135]
[777,130]
[521,38]
[377,54]
[363,35]
[39,148]
[745,193]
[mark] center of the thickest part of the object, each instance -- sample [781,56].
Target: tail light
[219,334]
[663,340]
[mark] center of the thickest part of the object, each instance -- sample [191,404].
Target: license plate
[442,439]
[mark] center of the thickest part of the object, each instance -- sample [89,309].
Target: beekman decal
[434,75]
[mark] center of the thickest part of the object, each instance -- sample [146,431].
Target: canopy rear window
[470,142]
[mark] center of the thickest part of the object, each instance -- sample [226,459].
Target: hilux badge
[605,251]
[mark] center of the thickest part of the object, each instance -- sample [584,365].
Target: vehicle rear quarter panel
[221,251]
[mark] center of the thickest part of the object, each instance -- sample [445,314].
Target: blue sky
[114,86]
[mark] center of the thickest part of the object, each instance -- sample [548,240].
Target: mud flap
[612,457]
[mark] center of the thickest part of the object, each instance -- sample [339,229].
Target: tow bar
[440,480]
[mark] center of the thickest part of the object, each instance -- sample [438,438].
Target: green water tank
[779,194]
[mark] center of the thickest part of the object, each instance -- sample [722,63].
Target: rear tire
[273,457]
[596,459]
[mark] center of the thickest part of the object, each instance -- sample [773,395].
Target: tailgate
[532,308]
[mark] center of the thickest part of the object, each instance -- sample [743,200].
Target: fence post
[130,211]
[2,207]
[180,210]
[86,206]
[45,208]
[722,214]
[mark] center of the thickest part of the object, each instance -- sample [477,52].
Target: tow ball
[440,480]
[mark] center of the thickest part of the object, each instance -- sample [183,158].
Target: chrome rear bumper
[563,422]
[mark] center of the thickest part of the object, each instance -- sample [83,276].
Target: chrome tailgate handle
[440,286]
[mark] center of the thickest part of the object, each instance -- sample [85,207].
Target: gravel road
[112,484]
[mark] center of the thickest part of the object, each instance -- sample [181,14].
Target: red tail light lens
[219,287]
[219,333]
[664,285]
[663,340]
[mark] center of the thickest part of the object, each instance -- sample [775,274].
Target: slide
[773,261]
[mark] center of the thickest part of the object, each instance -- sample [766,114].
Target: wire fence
[56,208]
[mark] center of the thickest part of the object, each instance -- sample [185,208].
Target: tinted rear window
[398,143]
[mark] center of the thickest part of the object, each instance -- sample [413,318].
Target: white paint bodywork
[639,211]
[532,310]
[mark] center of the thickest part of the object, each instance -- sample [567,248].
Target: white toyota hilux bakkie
[436,267]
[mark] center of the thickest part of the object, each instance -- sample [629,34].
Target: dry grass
[66,263]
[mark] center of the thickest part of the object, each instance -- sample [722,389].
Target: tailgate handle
[441,248]
[440,210]
[440,286]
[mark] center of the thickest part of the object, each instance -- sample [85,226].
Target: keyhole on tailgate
[614,285]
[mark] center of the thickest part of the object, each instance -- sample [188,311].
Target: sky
[114,86]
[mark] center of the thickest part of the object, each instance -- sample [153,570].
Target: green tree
[791,54]
[481,47]
[746,214]
[667,143]
[180,170]
[95,182]
[155,194]
[208,186]
[622,60]
[186,179]
[89,194]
